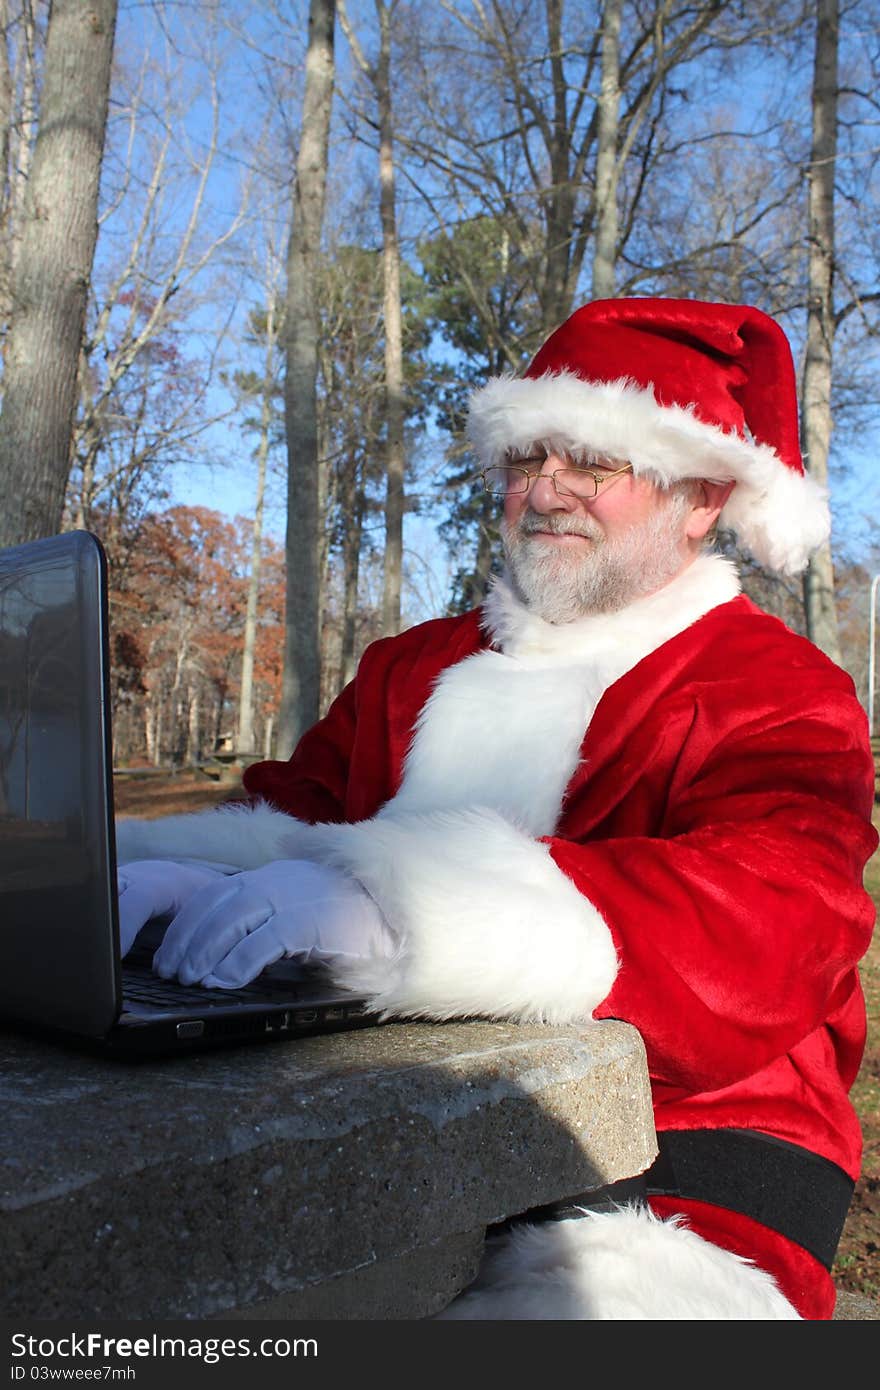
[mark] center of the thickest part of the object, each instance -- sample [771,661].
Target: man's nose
[543,496]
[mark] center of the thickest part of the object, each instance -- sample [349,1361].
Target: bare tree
[352,410]
[527,151]
[816,389]
[22,32]
[379,76]
[53,270]
[580,116]
[142,394]
[302,657]
[245,738]
[605,254]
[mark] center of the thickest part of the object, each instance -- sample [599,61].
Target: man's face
[568,556]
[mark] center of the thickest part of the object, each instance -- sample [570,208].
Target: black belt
[795,1192]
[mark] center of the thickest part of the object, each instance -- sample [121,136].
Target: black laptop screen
[57,962]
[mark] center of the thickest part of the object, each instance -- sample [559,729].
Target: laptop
[60,966]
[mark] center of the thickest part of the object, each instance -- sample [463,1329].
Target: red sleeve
[739,925]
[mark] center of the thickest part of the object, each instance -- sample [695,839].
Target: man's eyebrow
[576,457]
[602,462]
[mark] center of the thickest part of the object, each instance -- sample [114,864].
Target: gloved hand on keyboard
[151,888]
[231,929]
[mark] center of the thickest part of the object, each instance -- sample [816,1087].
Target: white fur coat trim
[240,835]
[624,1265]
[504,728]
[486,922]
[780,515]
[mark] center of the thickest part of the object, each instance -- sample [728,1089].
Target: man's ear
[709,498]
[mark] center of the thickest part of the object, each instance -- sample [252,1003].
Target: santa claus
[616,789]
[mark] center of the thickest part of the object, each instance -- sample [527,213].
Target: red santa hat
[682,389]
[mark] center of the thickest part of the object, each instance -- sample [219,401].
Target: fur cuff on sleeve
[239,834]
[488,924]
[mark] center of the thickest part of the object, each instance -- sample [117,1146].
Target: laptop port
[278,1023]
[334,1015]
[306,1016]
[194,1029]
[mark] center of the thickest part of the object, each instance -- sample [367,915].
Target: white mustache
[558,524]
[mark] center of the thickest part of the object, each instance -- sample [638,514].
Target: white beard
[605,575]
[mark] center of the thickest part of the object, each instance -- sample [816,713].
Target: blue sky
[230,488]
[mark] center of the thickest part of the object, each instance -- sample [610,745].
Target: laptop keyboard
[151,989]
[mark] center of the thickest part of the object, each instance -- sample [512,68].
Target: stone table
[348,1176]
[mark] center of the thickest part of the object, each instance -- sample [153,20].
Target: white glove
[158,888]
[226,933]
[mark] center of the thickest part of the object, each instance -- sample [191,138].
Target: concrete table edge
[351,1174]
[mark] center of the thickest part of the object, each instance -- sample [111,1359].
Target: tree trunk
[354,504]
[379,77]
[53,270]
[177,738]
[17,124]
[559,201]
[482,566]
[605,253]
[194,735]
[153,730]
[245,741]
[821,612]
[7,116]
[302,656]
[23,136]
[394,394]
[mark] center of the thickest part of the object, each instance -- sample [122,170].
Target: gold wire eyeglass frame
[504,479]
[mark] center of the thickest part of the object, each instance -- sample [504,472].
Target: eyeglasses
[504,479]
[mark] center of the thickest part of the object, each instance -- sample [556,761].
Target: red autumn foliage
[178,605]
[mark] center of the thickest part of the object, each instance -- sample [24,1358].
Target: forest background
[255,254]
[320,225]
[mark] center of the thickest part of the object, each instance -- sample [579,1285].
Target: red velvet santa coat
[660,815]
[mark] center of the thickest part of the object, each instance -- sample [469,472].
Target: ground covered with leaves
[858,1257]
[150,794]
[857,1268]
